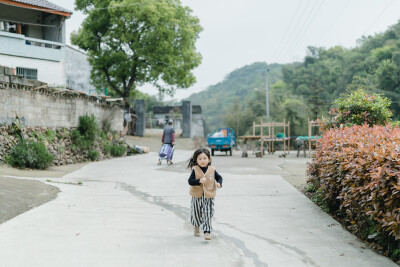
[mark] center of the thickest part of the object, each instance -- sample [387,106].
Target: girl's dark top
[193,181]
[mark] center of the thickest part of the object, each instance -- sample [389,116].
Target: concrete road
[131,212]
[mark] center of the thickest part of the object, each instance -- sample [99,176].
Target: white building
[32,42]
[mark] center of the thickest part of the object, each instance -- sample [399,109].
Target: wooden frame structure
[269,136]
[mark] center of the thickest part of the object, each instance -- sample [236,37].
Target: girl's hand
[218,185]
[203,180]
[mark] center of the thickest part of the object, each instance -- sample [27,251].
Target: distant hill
[307,89]
[238,86]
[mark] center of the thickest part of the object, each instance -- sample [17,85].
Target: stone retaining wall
[57,141]
[37,104]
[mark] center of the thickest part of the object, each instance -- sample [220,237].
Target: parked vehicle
[222,139]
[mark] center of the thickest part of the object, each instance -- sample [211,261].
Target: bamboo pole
[273,140]
[269,141]
[254,134]
[309,136]
[284,137]
[288,137]
[261,136]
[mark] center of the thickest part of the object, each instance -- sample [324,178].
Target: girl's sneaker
[207,236]
[196,231]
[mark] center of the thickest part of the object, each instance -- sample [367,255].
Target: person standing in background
[168,136]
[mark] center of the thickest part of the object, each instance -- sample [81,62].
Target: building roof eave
[23,4]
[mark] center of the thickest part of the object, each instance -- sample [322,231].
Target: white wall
[77,69]
[51,72]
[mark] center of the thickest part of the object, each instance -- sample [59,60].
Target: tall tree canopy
[132,42]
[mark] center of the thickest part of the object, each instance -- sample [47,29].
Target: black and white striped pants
[201,212]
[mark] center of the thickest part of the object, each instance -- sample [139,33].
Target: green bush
[20,155]
[29,154]
[65,133]
[358,108]
[118,150]
[43,157]
[93,155]
[355,172]
[80,140]
[103,135]
[73,147]
[87,132]
[38,136]
[107,147]
[106,126]
[88,127]
[50,135]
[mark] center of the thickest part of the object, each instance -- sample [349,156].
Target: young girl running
[203,183]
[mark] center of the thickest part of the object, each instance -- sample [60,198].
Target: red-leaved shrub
[356,171]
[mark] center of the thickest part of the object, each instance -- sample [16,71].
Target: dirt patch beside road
[18,195]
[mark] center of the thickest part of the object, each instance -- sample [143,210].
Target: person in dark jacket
[168,136]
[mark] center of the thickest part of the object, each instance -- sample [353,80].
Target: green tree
[315,100]
[235,119]
[132,42]
[388,77]
[358,108]
[295,111]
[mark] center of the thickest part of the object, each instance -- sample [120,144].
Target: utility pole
[266,94]
[237,122]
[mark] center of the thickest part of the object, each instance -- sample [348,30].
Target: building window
[27,73]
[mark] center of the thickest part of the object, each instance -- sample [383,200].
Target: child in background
[203,183]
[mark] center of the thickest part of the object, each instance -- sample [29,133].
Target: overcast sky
[240,32]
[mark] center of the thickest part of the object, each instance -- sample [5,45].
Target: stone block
[36,83]
[23,81]
[8,71]
[4,78]
[15,80]
[30,83]
[1,69]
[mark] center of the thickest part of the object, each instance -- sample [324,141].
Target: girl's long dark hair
[193,160]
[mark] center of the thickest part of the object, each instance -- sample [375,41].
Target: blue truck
[222,139]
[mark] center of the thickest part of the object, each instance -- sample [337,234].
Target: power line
[295,28]
[302,32]
[334,21]
[376,19]
[287,30]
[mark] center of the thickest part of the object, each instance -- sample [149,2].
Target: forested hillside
[224,102]
[308,89]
